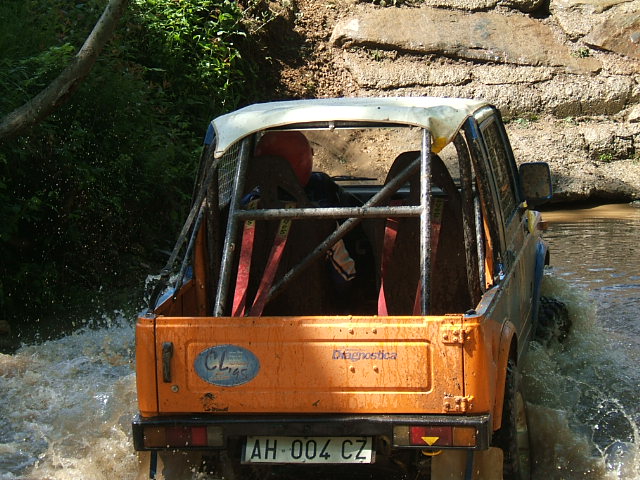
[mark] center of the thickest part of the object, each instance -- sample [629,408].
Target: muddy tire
[553,321]
[513,436]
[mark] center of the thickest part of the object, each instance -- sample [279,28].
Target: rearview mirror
[536,183]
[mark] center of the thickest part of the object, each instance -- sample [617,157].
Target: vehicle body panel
[314,365]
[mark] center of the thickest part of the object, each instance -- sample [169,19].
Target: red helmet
[294,147]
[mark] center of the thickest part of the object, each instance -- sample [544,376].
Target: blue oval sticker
[227,365]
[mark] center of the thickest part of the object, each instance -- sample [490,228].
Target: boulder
[569,83]
[514,89]
[510,74]
[578,18]
[589,159]
[399,73]
[592,6]
[483,5]
[483,36]
[470,5]
[619,34]
[634,114]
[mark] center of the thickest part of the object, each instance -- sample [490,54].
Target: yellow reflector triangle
[430,440]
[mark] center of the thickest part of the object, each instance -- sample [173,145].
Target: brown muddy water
[66,404]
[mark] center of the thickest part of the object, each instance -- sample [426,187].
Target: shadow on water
[66,404]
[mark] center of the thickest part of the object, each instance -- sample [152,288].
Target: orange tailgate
[307,364]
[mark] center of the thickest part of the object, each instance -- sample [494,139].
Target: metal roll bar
[354,216]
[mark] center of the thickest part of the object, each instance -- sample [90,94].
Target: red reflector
[183,436]
[199,436]
[430,436]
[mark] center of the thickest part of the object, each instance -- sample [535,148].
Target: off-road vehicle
[253,362]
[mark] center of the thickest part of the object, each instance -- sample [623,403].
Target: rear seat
[308,295]
[400,278]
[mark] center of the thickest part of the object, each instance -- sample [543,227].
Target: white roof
[441,116]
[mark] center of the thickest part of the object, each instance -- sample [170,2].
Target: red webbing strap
[244,265]
[390,235]
[437,210]
[272,265]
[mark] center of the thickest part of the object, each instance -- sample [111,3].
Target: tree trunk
[60,90]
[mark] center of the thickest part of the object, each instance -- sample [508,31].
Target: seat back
[400,270]
[274,182]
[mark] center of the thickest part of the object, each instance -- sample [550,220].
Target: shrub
[90,196]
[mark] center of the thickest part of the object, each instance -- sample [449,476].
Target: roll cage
[221,182]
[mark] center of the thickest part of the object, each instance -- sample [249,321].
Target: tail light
[434,436]
[183,436]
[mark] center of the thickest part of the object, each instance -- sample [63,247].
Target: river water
[584,410]
[66,404]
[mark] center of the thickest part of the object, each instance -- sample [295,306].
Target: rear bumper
[239,426]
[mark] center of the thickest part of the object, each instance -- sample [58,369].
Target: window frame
[508,212]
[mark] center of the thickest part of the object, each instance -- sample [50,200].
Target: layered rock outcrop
[566,74]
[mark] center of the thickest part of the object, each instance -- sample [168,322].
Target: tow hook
[431,453]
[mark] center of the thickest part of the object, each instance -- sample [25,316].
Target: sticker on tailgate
[227,365]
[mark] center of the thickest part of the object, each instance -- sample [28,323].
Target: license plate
[308,450]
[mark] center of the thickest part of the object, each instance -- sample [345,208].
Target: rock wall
[565,74]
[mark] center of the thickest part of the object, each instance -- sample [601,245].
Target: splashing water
[67,406]
[584,414]
[580,396]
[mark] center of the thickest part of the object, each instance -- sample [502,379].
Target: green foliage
[377,55]
[89,197]
[37,40]
[606,157]
[191,50]
[525,120]
[92,193]
[582,52]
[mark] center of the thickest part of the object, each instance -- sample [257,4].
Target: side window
[501,166]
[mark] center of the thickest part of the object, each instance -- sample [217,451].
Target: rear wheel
[513,435]
[553,321]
